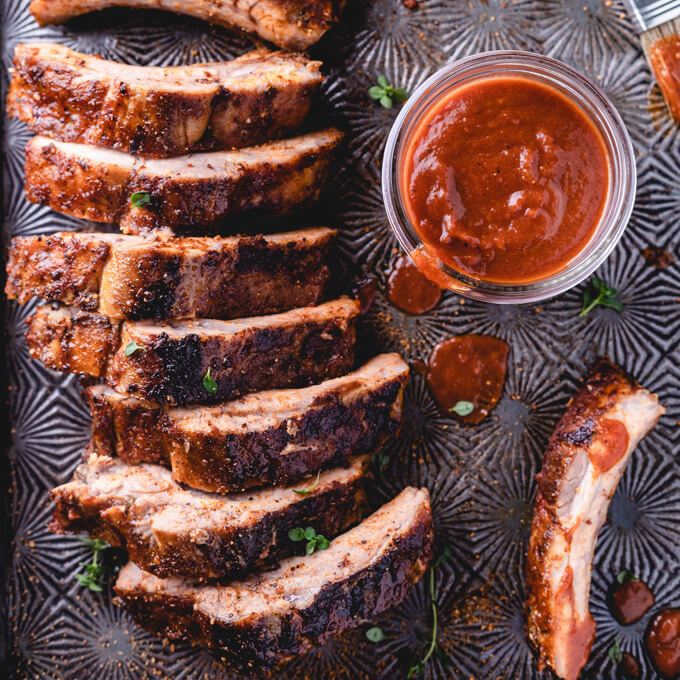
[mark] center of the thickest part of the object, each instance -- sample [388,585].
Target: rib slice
[160,111]
[202,360]
[583,464]
[130,277]
[276,437]
[292,24]
[195,192]
[170,530]
[270,618]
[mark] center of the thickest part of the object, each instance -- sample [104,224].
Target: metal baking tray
[481,478]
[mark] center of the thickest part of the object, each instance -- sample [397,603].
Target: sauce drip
[505,180]
[365,291]
[609,445]
[664,58]
[629,668]
[663,642]
[630,601]
[409,289]
[468,368]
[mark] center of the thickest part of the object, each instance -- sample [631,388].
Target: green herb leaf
[599,293]
[94,572]
[444,557]
[131,348]
[615,653]
[375,634]
[140,198]
[463,408]
[380,460]
[399,94]
[386,101]
[297,534]
[626,575]
[387,94]
[209,385]
[304,492]
[310,547]
[383,82]
[375,92]
[322,542]
[310,533]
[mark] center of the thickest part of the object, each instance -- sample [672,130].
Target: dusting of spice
[365,291]
[629,599]
[663,643]
[468,368]
[409,289]
[664,58]
[505,179]
[658,258]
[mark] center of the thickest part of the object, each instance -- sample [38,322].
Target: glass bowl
[596,106]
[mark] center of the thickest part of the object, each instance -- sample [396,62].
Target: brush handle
[651,13]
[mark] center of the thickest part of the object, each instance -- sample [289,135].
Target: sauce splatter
[630,601]
[609,445]
[468,368]
[663,642]
[365,291]
[409,289]
[629,668]
[656,257]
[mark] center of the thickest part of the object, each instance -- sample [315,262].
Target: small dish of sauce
[508,177]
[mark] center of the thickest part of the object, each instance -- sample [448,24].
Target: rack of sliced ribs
[227,408]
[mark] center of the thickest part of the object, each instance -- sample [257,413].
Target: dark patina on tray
[481,478]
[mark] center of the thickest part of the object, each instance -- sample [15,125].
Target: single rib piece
[130,277]
[160,111]
[276,437]
[169,361]
[195,192]
[269,618]
[292,24]
[173,531]
[583,464]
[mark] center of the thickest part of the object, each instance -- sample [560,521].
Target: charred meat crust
[97,185]
[291,24]
[575,486]
[224,550]
[577,426]
[126,277]
[295,446]
[81,342]
[272,639]
[75,97]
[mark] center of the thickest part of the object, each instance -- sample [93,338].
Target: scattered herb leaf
[314,541]
[93,575]
[387,94]
[375,634]
[615,653]
[140,198]
[419,668]
[599,293]
[463,408]
[304,492]
[209,385]
[131,348]
[380,460]
[626,575]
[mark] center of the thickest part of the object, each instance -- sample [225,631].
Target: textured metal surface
[481,478]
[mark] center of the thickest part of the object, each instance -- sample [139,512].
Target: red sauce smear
[663,642]
[630,601]
[629,668]
[505,179]
[468,368]
[609,444]
[409,289]
[664,57]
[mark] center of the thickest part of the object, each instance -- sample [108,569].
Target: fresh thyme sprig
[615,653]
[419,668]
[304,492]
[386,94]
[93,575]
[599,293]
[314,541]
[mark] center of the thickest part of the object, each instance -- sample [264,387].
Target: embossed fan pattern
[481,478]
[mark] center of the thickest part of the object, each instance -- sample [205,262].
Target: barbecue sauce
[409,289]
[630,601]
[664,58]
[609,445]
[663,642]
[468,368]
[505,179]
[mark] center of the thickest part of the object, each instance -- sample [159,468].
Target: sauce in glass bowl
[505,179]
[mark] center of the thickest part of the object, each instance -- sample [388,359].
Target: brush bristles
[671,29]
[661,46]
